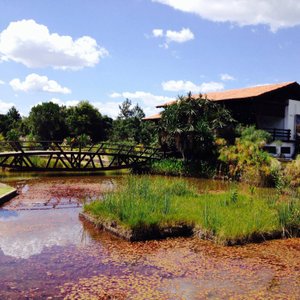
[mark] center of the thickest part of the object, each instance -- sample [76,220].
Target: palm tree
[191,125]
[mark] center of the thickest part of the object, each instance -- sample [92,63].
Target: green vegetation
[291,173]
[230,217]
[190,126]
[129,126]
[247,161]
[5,189]
[179,167]
[82,122]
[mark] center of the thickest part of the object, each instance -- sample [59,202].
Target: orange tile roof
[153,117]
[240,93]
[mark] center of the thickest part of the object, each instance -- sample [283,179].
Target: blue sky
[147,50]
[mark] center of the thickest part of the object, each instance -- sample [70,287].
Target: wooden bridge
[57,156]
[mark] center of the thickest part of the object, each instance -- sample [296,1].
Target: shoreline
[138,235]
[156,233]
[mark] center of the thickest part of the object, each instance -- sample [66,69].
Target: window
[271,149]
[286,150]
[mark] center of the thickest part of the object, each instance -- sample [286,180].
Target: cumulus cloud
[147,101]
[35,82]
[273,13]
[108,108]
[5,106]
[189,86]
[63,103]
[158,32]
[2,82]
[145,98]
[32,44]
[182,36]
[226,77]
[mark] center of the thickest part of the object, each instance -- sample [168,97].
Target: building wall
[288,122]
[271,122]
[292,110]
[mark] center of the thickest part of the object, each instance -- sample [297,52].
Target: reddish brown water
[46,252]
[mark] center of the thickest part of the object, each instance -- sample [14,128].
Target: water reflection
[49,252]
[27,233]
[8,214]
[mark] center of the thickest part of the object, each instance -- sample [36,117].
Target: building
[274,108]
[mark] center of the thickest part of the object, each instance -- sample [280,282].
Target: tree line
[50,121]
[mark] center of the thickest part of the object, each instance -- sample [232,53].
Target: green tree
[13,135]
[191,125]
[47,121]
[129,125]
[11,121]
[85,119]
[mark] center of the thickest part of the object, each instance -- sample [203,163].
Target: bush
[178,167]
[247,161]
[292,173]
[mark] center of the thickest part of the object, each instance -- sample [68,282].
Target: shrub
[292,173]
[178,167]
[247,161]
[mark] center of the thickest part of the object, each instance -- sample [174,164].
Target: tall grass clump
[145,202]
[233,218]
[168,166]
[142,201]
[179,167]
[289,216]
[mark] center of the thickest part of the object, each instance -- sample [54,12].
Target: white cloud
[2,82]
[5,106]
[115,95]
[109,108]
[34,46]
[182,36]
[226,77]
[147,102]
[145,98]
[274,13]
[35,82]
[189,86]
[158,32]
[64,103]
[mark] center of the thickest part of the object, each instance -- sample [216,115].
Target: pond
[47,252]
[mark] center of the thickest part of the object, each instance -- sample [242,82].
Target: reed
[229,217]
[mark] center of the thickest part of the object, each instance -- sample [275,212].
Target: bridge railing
[77,147]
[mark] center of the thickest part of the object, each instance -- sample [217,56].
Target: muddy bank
[184,230]
[138,234]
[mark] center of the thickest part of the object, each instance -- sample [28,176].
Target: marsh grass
[229,217]
[41,162]
[177,167]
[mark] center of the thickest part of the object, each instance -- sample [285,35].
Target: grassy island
[4,189]
[6,193]
[146,207]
